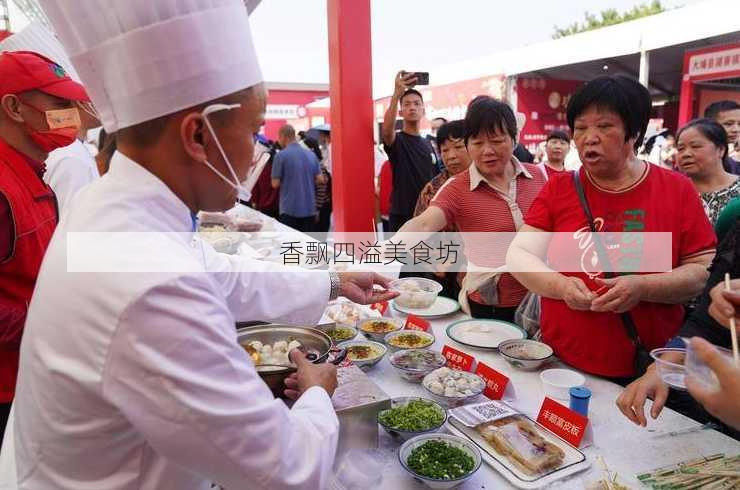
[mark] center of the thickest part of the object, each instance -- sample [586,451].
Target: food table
[627,449]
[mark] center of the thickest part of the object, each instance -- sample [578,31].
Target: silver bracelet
[334,283]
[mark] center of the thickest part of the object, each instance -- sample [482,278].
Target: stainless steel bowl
[316,343]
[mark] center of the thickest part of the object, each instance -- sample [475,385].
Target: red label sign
[495,381]
[381,307]
[413,322]
[562,421]
[457,359]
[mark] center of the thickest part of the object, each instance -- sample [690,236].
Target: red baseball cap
[21,71]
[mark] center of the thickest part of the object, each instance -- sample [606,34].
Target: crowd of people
[598,321]
[144,376]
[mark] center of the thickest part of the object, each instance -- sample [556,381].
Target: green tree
[609,17]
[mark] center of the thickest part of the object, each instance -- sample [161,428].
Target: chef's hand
[576,294]
[623,293]
[723,403]
[631,401]
[309,375]
[403,82]
[725,304]
[358,287]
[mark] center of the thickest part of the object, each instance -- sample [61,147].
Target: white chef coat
[135,380]
[69,169]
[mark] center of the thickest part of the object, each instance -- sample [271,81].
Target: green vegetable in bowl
[339,334]
[440,460]
[415,416]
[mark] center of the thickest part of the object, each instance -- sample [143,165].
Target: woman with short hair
[585,311]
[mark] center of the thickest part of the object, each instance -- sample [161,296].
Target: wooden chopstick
[733,331]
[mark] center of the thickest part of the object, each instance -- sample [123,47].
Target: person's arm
[388,131]
[277,171]
[192,393]
[12,317]
[66,177]
[525,260]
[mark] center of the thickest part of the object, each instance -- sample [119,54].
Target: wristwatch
[334,283]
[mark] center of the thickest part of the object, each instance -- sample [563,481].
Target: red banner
[457,359]
[562,421]
[495,381]
[413,322]
[381,307]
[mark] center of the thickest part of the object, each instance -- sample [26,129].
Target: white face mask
[243,194]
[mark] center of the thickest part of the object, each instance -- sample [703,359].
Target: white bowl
[455,401]
[405,451]
[408,434]
[526,355]
[427,337]
[365,363]
[397,324]
[558,382]
[424,298]
[414,364]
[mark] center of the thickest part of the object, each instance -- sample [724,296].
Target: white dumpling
[450,391]
[280,345]
[294,344]
[463,384]
[456,374]
[450,383]
[437,387]
[442,372]
[468,392]
[256,345]
[266,350]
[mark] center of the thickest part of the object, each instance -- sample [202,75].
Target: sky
[415,35]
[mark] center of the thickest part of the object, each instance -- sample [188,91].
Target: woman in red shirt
[581,309]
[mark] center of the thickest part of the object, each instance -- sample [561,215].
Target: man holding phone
[412,157]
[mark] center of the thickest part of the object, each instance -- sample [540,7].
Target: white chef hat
[37,38]
[143,59]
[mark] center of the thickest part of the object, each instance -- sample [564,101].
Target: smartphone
[422,77]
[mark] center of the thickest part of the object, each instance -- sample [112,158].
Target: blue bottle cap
[580,392]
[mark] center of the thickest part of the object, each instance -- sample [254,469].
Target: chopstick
[733,331]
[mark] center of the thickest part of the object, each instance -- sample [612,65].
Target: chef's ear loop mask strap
[207,112]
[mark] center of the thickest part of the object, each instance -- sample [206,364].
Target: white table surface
[627,449]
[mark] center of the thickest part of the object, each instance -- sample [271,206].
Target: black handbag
[642,359]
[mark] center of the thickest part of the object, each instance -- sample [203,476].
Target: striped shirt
[472,204]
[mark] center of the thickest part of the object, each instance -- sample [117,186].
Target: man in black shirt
[412,158]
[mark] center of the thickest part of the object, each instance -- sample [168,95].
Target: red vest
[34,213]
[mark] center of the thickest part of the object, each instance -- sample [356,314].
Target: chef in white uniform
[135,380]
[70,168]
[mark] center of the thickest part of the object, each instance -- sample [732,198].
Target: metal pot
[318,346]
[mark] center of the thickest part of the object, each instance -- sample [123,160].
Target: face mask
[243,194]
[63,127]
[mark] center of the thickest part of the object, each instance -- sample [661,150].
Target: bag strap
[627,321]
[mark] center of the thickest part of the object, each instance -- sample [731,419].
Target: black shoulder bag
[642,358]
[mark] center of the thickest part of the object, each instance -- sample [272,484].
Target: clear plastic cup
[699,371]
[670,365]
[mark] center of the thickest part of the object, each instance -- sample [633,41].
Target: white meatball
[294,344]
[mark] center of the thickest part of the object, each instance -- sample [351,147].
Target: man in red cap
[37,115]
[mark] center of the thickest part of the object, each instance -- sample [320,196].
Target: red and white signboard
[457,359]
[560,420]
[413,322]
[497,384]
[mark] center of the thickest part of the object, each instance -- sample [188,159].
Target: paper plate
[484,334]
[442,306]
